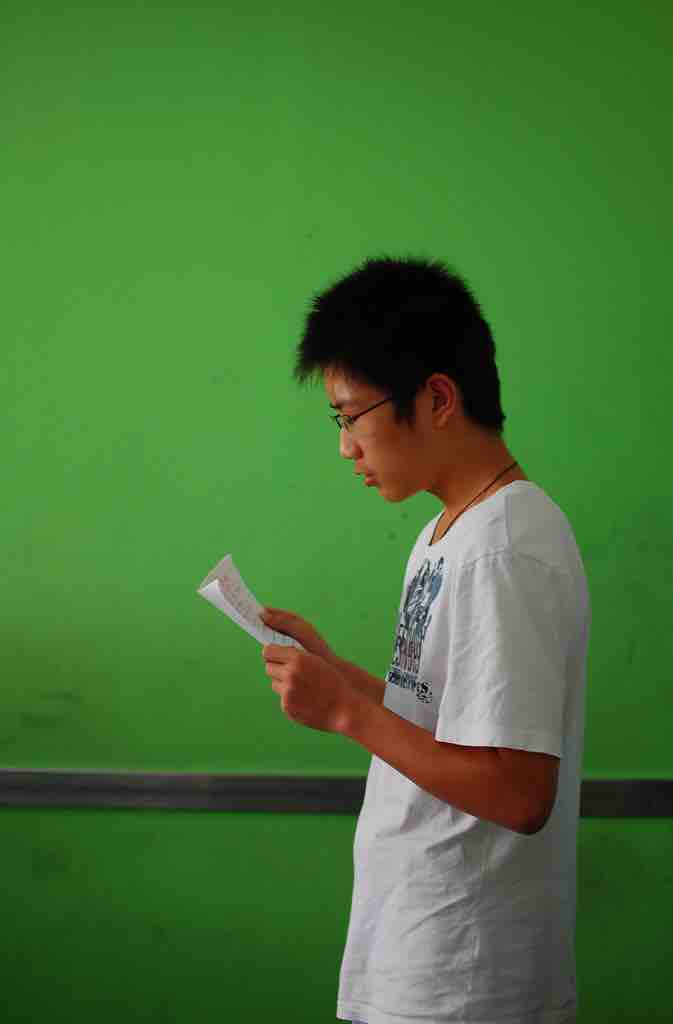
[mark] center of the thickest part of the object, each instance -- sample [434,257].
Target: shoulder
[521,525]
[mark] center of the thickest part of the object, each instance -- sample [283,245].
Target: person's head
[408,331]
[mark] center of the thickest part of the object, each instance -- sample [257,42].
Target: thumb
[272,615]
[284,622]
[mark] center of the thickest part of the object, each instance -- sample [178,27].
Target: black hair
[391,323]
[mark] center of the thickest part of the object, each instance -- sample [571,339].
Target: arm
[512,788]
[361,680]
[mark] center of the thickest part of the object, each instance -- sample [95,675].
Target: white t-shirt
[453,918]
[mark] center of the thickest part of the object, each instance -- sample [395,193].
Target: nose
[346,444]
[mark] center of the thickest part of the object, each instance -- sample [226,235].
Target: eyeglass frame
[345,422]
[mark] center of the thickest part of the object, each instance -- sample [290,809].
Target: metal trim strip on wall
[600,798]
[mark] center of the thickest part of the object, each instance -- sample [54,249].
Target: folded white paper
[225,589]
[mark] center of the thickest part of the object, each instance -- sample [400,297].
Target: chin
[395,496]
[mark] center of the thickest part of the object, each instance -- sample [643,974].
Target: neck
[479,463]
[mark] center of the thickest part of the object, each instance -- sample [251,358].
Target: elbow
[534,808]
[531,826]
[532,822]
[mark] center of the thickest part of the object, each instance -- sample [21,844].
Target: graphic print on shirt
[413,623]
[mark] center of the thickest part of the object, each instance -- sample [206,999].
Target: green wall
[151,917]
[177,182]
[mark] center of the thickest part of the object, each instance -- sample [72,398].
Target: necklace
[473,500]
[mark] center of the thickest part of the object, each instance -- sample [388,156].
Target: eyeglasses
[344,422]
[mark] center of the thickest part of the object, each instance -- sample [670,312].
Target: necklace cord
[477,496]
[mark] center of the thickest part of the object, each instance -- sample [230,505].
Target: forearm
[472,779]
[364,682]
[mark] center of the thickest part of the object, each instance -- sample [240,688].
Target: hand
[301,630]
[312,692]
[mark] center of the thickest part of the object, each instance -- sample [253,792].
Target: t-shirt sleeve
[506,677]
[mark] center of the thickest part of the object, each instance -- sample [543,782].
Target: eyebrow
[340,405]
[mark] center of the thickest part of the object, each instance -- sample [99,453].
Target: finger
[277,652]
[277,615]
[268,613]
[270,651]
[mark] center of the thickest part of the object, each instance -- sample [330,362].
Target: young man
[463,904]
